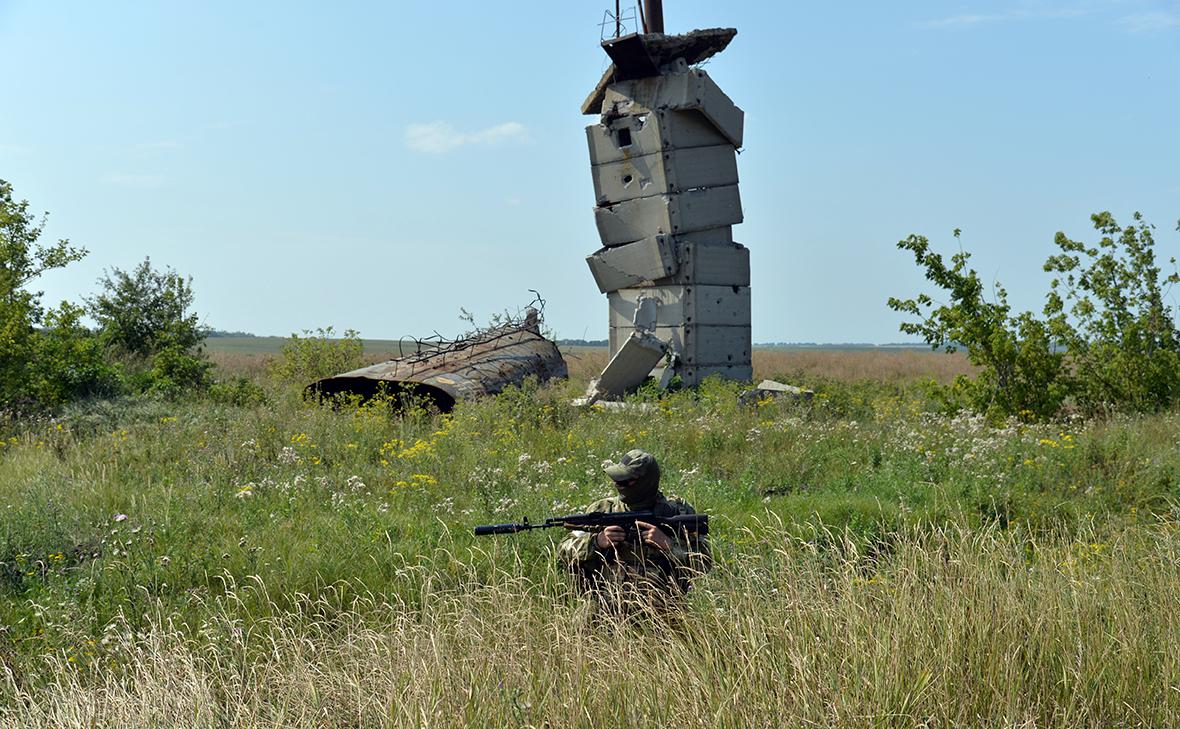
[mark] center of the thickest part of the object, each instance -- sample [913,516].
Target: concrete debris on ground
[771,390]
[631,365]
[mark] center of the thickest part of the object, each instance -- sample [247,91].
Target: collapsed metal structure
[443,372]
[664,162]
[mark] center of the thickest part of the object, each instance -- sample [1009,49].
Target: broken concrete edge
[694,47]
[693,90]
[650,259]
[630,366]
[593,103]
[643,54]
[772,390]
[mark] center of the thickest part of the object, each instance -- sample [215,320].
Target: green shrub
[238,391]
[1107,341]
[24,380]
[145,320]
[146,311]
[175,370]
[67,361]
[317,355]
[1107,308]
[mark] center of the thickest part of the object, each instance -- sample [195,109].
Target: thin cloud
[142,182]
[160,145]
[440,137]
[963,21]
[968,20]
[14,149]
[1151,22]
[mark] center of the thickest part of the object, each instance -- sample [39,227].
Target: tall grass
[953,628]
[877,563]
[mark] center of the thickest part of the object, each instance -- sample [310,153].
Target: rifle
[597,521]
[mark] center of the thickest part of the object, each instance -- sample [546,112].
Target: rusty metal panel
[676,214]
[648,54]
[661,173]
[631,264]
[698,345]
[693,90]
[643,54]
[480,365]
[634,136]
[684,305]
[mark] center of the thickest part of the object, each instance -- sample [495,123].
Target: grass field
[248,356]
[879,562]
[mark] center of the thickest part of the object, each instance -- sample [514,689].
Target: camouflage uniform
[632,573]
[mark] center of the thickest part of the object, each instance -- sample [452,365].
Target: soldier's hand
[653,535]
[609,537]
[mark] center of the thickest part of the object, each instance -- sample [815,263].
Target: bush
[36,370]
[238,391]
[317,355]
[1106,343]
[146,311]
[68,362]
[1107,309]
[144,318]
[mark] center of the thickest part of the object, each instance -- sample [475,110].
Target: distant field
[247,356]
[274,345]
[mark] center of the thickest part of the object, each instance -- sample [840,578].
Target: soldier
[643,567]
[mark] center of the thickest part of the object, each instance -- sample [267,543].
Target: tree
[1107,341]
[1020,368]
[145,311]
[1107,309]
[145,316]
[22,260]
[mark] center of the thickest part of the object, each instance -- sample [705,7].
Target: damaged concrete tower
[664,160]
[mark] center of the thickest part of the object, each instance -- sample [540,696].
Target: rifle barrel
[695,523]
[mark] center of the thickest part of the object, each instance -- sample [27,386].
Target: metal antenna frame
[623,19]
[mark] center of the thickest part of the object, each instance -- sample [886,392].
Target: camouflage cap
[634,464]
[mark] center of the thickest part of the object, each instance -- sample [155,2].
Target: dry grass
[254,365]
[893,366]
[238,364]
[585,363]
[951,629]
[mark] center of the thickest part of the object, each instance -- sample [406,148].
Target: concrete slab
[693,90]
[684,305]
[634,136]
[632,264]
[637,355]
[769,390]
[661,173]
[691,376]
[698,345]
[675,214]
[702,260]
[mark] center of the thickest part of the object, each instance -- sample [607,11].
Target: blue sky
[379,165]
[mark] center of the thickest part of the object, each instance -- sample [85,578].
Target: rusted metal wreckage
[442,373]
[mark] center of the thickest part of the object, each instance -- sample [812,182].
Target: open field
[247,356]
[878,563]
